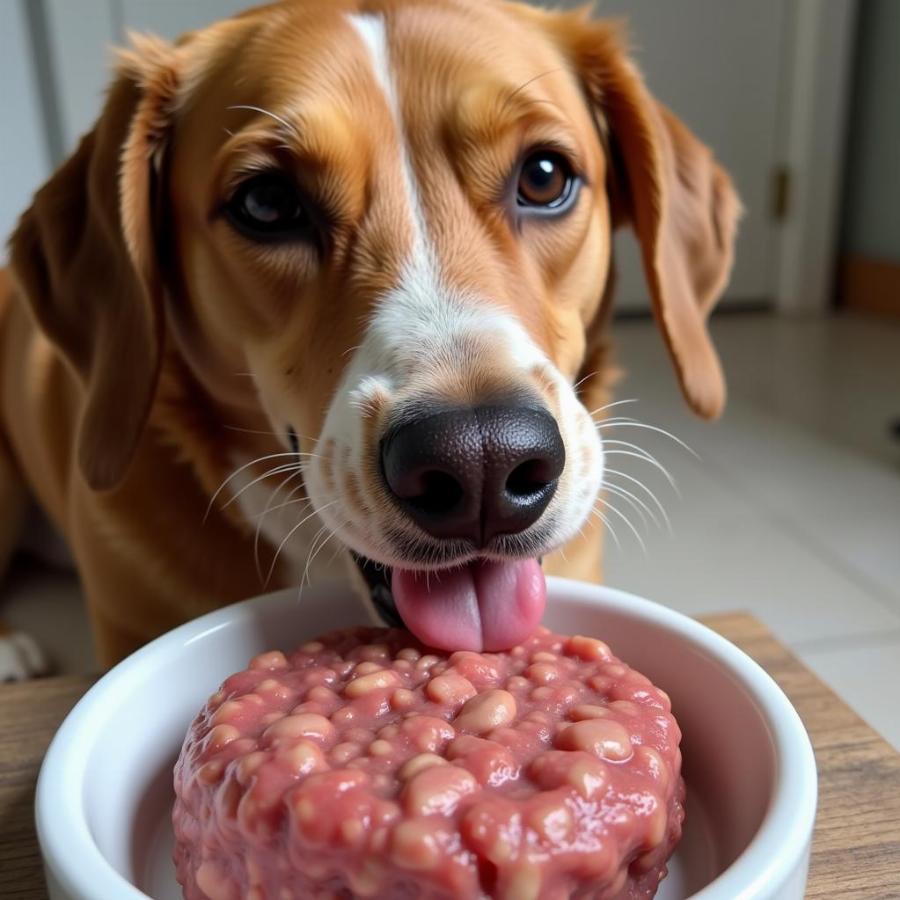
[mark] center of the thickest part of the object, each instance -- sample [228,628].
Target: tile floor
[792,511]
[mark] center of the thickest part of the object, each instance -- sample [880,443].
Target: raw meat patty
[364,765]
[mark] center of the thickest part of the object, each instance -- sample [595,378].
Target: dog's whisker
[625,493]
[642,486]
[581,530]
[628,522]
[257,531]
[642,455]
[291,533]
[334,555]
[306,578]
[268,508]
[312,545]
[631,446]
[284,504]
[629,499]
[285,482]
[652,462]
[237,472]
[600,409]
[292,496]
[332,533]
[305,437]
[633,423]
[294,491]
[645,513]
[608,524]
[291,129]
[286,467]
[587,377]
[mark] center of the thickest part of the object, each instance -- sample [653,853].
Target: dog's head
[397,217]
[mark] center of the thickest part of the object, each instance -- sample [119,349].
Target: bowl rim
[780,844]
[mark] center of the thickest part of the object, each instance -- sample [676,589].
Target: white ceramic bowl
[105,789]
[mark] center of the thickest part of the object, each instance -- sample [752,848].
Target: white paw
[20,657]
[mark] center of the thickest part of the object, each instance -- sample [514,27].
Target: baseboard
[869,285]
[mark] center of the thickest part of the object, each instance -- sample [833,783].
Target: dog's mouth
[482,605]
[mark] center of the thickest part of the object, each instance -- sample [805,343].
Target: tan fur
[137,312]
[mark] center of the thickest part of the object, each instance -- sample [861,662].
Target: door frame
[818,67]
[819,71]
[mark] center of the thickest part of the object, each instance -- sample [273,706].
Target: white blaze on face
[423,326]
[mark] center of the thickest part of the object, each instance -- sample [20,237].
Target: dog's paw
[20,657]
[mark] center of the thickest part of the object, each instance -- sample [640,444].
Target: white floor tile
[866,676]
[719,563]
[845,507]
[773,448]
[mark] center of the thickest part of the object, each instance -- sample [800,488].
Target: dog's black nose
[475,472]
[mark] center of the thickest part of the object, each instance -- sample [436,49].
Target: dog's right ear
[85,257]
[667,185]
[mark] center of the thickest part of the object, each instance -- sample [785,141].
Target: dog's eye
[269,207]
[546,181]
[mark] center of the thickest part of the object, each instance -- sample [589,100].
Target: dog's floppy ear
[666,184]
[85,257]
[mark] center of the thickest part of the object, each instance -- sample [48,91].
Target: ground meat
[365,765]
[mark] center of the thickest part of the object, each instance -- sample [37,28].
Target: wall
[872,213]
[24,146]
[83,33]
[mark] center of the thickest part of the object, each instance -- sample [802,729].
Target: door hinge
[781,193]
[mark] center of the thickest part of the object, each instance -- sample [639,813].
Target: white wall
[872,216]
[24,149]
[55,64]
[83,33]
[80,36]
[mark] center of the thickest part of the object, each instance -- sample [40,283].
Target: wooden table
[856,848]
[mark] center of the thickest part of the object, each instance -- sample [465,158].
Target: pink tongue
[483,606]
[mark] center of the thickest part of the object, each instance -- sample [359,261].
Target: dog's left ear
[85,257]
[667,185]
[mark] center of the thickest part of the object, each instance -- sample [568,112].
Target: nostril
[474,473]
[439,493]
[529,478]
[432,467]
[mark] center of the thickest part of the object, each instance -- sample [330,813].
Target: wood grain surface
[30,713]
[856,845]
[856,848]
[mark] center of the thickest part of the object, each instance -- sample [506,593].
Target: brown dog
[363,247]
